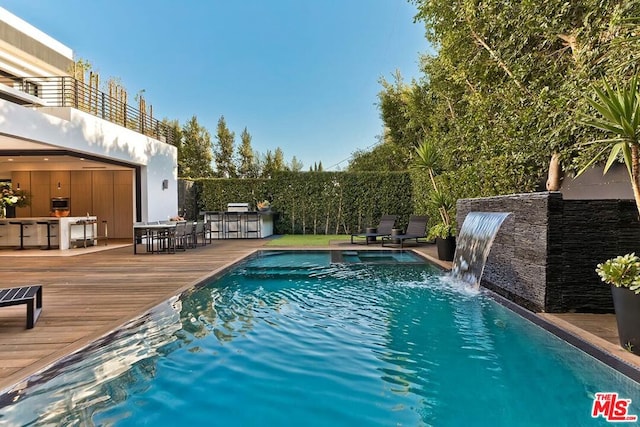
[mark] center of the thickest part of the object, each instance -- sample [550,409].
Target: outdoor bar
[238,222]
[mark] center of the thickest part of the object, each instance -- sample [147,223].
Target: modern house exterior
[62,138]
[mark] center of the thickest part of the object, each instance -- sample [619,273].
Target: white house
[62,138]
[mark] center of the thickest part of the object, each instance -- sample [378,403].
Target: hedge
[310,202]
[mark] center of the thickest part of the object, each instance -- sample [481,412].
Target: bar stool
[50,224]
[22,225]
[252,224]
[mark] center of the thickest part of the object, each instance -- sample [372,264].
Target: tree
[386,156]
[248,167]
[196,156]
[278,160]
[295,165]
[177,141]
[500,95]
[268,165]
[223,151]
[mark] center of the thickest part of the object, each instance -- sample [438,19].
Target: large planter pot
[627,305]
[446,248]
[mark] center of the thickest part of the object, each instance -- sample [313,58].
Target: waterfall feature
[474,243]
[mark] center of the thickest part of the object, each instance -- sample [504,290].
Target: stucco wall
[83,133]
[546,251]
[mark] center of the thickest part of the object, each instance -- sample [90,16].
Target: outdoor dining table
[148,231]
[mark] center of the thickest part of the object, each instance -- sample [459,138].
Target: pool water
[292,338]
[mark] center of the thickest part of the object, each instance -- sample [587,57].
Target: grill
[237,207]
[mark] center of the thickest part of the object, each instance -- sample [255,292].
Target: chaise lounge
[383,229]
[416,229]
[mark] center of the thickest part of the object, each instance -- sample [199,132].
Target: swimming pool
[323,338]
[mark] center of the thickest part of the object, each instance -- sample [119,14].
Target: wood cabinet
[80,193]
[40,193]
[105,194]
[123,204]
[60,184]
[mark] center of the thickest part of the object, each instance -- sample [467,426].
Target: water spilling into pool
[293,339]
[474,243]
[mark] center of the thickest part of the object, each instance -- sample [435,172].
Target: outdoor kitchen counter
[225,225]
[65,232]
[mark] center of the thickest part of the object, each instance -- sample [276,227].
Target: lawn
[306,239]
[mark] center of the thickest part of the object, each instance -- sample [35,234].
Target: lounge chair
[383,229]
[416,229]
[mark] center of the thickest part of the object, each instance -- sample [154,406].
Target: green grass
[306,239]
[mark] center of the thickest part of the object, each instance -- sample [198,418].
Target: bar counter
[48,232]
[239,224]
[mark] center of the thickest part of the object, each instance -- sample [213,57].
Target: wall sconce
[59,185]
[18,187]
[165,184]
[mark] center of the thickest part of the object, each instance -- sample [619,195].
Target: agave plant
[618,113]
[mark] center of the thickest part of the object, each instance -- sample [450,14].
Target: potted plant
[623,274]
[443,231]
[10,198]
[263,206]
[428,159]
[445,240]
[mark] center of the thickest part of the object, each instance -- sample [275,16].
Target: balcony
[69,92]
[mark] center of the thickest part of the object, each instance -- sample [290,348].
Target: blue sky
[301,75]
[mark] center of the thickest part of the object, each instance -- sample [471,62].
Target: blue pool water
[321,339]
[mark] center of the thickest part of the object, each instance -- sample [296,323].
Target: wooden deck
[88,295]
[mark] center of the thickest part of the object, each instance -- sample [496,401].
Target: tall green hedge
[313,202]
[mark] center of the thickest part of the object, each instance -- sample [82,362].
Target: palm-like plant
[428,159]
[618,113]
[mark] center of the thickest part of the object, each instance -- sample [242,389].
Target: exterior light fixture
[165,184]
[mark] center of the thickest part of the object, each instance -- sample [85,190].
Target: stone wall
[545,253]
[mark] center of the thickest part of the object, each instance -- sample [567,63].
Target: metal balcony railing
[69,92]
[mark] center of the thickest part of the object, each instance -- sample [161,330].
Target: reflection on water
[75,388]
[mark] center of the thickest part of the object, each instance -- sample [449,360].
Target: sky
[302,75]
